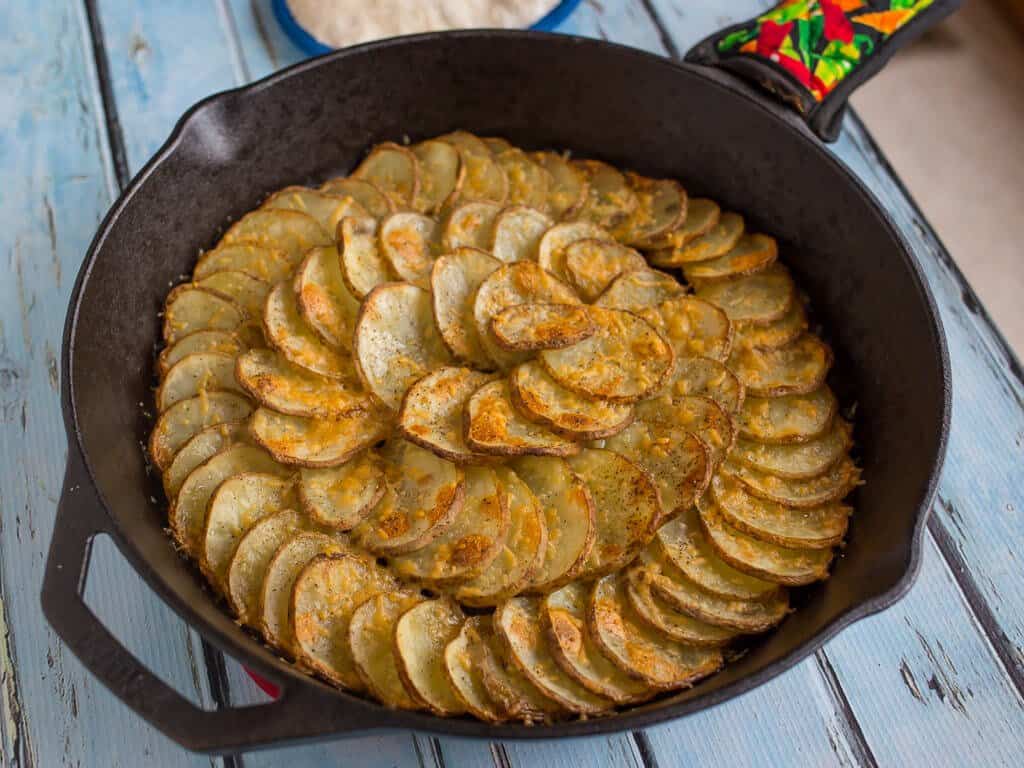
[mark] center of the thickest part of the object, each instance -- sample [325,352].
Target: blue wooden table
[90,88]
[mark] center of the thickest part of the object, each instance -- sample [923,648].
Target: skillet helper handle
[295,714]
[812,54]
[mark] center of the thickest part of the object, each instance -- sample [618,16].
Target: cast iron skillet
[628,107]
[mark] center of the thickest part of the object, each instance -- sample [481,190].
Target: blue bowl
[310,45]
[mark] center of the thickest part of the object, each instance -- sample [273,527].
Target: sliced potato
[325,302]
[410,242]
[568,517]
[564,617]
[197,450]
[453,283]
[694,327]
[267,264]
[720,239]
[396,341]
[551,250]
[517,233]
[610,200]
[655,611]
[246,291]
[251,558]
[440,174]
[274,382]
[467,142]
[305,442]
[699,415]
[625,360]
[508,688]
[704,376]
[797,461]
[543,400]
[421,635]
[757,299]
[190,309]
[592,265]
[327,208]
[640,290]
[530,327]
[424,493]
[771,562]
[376,203]
[470,225]
[796,369]
[841,478]
[238,504]
[182,421]
[568,189]
[288,334]
[291,232]
[701,216]
[626,507]
[523,551]
[326,594]
[528,182]
[494,427]
[394,170]
[432,412]
[777,333]
[363,266]
[464,675]
[752,253]
[208,341]
[195,374]
[483,180]
[639,650]
[342,497]
[471,542]
[518,624]
[371,635]
[497,144]
[811,528]
[789,419]
[661,208]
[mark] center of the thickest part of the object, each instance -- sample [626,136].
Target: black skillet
[722,138]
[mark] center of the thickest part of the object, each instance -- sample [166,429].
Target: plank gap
[854,734]
[112,123]
[667,40]
[645,749]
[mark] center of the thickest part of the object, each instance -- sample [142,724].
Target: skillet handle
[812,54]
[297,713]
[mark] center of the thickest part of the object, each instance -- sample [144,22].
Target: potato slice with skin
[288,334]
[465,677]
[252,557]
[610,200]
[694,327]
[796,369]
[707,377]
[788,419]
[624,361]
[201,447]
[195,374]
[471,542]
[267,264]
[840,480]
[523,551]
[777,333]
[592,265]
[394,170]
[421,635]
[783,565]
[494,427]
[291,232]
[342,497]
[497,144]
[328,209]
[528,182]
[190,309]
[246,291]
[376,203]
[299,441]
[363,266]
[626,508]
[467,142]
[567,191]
[640,290]
[812,528]
[371,632]
[757,299]
[639,650]
[568,516]
[564,618]
[720,239]
[508,688]
[517,233]
[531,327]
[396,341]
[551,250]
[518,625]
[470,225]
[453,283]
[543,400]
[424,493]
[661,208]
[798,461]
[440,174]
[325,302]
[432,412]
[701,416]
[277,384]
[752,253]
[219,342]
[326,594]
[182,421]
[483,179]
[701,216]
[656,612]
[410,242]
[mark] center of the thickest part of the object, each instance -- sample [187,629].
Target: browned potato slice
[304,442]
[494,427]
[568,189]
[564,618]
[812,528]
[624,361]
[342,497]
[777,333]
[658,613]
[396,341]
[363,266]
[682,543]
[639,650]
[508,688]
[797,461]
[518,625]
[626,507]
[410,242]
[328,209]
[543,400]
[610,200]
[424,493]
[190,309]
[326,594]
[789,419]
[266,264]
[528,182]
[201,447]
[701,416]
[432,412]
[720,239]
[467,142]
[497,144]
[212,341]
[376,203]
[470,225]
[440,174]
[523,552]
[242,288]
[274,382]
[694,328]
[517,234]
[464,675]
[551,251]
[179,423]
[771,562]
[593,264]
[484,180]
[841,478]
[640,291]
[325,302]
[453,283]
[796,369]
[252,557]
[701,216]
[421,635]
[757,299]
[707,377]
[661,208]
[752,253]
[530,327]
[196,374]
[288,334]
[290,232]
[568,516]
[371,636]
[471,542]
[394,170]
